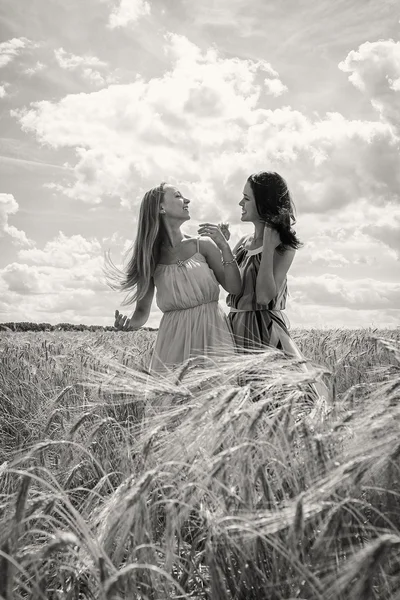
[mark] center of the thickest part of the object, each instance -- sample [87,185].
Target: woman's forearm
[233,281]
[138,319]
[265,285]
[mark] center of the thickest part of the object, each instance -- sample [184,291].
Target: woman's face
[248,204]
[175,205]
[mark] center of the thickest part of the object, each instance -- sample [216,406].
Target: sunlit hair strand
[135,278]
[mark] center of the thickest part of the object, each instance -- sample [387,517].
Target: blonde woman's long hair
[135,279]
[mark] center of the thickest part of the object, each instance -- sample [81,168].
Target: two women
[186,274]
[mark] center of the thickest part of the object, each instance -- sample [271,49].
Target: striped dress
[254,325]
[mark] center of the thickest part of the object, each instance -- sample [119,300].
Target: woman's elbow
[232,287]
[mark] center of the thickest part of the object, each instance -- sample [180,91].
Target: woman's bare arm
[272,273]
[273,267]
[227,275]
[140,315]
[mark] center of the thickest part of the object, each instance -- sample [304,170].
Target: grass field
[114,486]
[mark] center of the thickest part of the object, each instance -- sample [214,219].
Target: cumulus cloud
[374,229]
[39,66]
[126,134]
[3,88]
[63,282]
[360,241]
[326,317]
[71,61]
[12,48]
[329,257]
[42,279]
[204,124]
[64,278]
[88,66]
[73,306]
[331,290]
[388,235]
[375,70]
[21,279]
[9,206]
[63,252]
[275,86]
[64,263]
[128,12]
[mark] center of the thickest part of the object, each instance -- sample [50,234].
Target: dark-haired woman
[264,259]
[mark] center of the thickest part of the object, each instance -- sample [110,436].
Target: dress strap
[198,245]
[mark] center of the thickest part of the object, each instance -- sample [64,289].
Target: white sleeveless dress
[193,323]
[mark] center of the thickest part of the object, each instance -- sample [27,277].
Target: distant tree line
[25,326]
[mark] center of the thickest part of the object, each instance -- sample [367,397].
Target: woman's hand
[224,227]
[271,237]
[122,323]
[215,233]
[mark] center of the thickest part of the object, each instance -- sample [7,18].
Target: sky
[103,99]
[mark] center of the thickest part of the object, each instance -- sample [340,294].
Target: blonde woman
[185,273]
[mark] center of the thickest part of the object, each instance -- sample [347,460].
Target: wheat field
[225,483]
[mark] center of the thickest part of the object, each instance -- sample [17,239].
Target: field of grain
[228,483]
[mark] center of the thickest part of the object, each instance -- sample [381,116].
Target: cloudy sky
[103,99]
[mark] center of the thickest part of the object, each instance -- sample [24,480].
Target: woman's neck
[172,235]
[258,234]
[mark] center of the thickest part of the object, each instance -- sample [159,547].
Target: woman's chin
[184,217]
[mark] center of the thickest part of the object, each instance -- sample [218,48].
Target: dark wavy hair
[275,206]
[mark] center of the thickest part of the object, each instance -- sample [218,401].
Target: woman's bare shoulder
[190,241]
